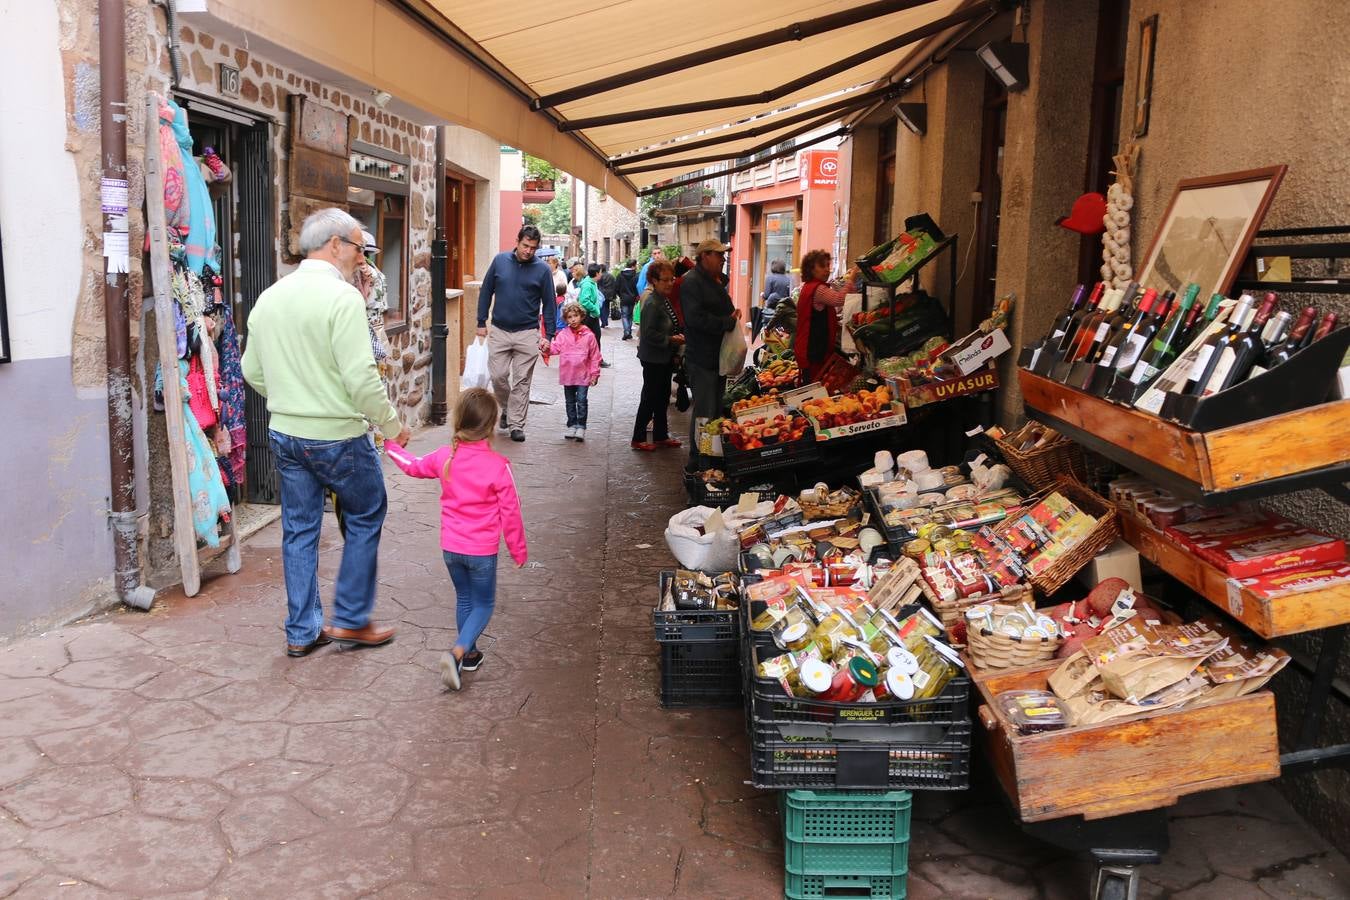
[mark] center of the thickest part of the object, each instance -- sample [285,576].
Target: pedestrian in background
[609,290]
[579,364]
[628,296]
[479,507]
[523,289]
[777,286]
[590,299]
[709,314]
[309,353]
[658,345]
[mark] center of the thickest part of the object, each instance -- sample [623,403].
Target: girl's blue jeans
[475,580]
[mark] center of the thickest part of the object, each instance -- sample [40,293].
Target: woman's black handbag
[682,402]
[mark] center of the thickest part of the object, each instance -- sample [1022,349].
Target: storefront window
[379,200]
[780,234]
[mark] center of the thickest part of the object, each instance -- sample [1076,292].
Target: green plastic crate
[871,817]
[825,887]
[846,858]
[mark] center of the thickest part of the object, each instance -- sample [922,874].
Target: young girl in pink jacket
[479,507]
[578,367]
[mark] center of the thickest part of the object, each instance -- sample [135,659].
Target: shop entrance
[459,230]
[245,215]
[994,128]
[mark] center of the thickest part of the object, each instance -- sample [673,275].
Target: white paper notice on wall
[113,195]
[116,249]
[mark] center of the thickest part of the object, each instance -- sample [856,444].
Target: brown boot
[369,636]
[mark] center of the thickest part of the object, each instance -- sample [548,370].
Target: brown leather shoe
[298,650]
[369,636]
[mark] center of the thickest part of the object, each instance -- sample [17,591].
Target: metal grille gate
[257,271]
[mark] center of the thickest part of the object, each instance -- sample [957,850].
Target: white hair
[321,227]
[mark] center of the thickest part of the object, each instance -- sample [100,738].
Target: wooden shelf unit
[1294,614]
[1268,456]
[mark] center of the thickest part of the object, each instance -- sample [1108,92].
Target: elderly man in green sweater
[307,351]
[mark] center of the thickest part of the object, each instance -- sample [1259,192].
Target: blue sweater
[524,292]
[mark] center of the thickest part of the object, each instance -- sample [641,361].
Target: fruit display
[895,366]
[867,316]
[850,409]
[739,406]
[779,373]
[757,433]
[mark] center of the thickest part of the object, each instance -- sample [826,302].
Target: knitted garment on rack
[177,205]
[200,237]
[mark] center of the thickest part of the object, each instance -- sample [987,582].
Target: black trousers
[593,323]
[654,403]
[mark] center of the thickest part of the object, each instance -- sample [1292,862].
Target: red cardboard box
[1272,552]
[1295,581]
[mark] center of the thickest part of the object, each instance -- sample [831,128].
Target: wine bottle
[1239,354]
[1327,327]
[1166,345]
[1201,315]
[1275,334]
[1111,350]
[1060,325]
[1076,319]
[1208,357]
[1111,325]
[1091,327]
[1299,335]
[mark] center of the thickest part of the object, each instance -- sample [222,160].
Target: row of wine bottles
[1126,338]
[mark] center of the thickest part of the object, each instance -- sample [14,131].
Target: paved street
[180,753]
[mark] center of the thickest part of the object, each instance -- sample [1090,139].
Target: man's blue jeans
[351,469]
[475,580]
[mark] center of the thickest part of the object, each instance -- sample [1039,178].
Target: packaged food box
[1295,581]
[1273,552]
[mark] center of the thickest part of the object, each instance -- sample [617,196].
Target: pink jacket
[479,504]
[578,356]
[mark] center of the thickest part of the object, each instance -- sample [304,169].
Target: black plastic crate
[797,717]
[938,765]
[739,463]
[691,625]
[701,674]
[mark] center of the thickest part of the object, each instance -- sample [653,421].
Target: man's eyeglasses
[361,247]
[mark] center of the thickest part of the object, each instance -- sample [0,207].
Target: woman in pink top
[479,507]
[578,355]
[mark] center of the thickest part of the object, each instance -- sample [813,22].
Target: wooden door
[460,225]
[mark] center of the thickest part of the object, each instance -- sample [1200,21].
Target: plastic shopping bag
[731,358]
[476,366]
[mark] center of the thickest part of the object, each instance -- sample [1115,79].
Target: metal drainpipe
[439,255]
[116,313]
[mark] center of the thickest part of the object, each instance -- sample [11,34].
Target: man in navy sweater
[523,288]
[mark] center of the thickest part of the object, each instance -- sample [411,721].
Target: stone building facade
[612,233]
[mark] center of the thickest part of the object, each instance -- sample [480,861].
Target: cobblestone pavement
[180,753]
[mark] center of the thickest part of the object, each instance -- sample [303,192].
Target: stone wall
[609,219]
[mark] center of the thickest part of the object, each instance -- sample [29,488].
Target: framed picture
[1207,229]
[4,313]
[1143,78]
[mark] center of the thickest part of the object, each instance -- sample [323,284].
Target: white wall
[39,190]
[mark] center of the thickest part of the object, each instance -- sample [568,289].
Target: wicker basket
[1102,535]
[951,611]
[813,512]
[1043,466]
[994,650]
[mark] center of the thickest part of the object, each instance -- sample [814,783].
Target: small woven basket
[951,611]
[994,650]
[1043,466]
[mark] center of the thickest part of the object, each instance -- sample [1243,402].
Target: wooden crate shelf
[1259,458]
[1306,611]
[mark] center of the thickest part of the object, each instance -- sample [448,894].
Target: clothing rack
[190,558]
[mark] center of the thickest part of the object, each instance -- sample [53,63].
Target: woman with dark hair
[658,347]
[817,319]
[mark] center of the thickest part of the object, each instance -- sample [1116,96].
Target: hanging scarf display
[200,238]
[231,419]
[209,500]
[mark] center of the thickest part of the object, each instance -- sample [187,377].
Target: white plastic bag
[476,366]
[731,358]
[714,551]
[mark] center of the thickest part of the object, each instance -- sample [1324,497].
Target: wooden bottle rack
[1304,448]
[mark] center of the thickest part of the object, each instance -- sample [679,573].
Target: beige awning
[480,64]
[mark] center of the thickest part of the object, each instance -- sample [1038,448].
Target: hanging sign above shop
[818,169]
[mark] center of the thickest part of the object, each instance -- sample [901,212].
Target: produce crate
[811,887]
[700,674]
[770,458]
[846,832]
[937,765]
[693,625]
[703,494]
[897,418]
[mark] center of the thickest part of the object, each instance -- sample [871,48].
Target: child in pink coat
[479,506]
[578,355]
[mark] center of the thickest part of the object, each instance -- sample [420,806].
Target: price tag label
[1235,597]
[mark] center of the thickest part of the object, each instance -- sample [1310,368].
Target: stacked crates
[700,655]
[845,844]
